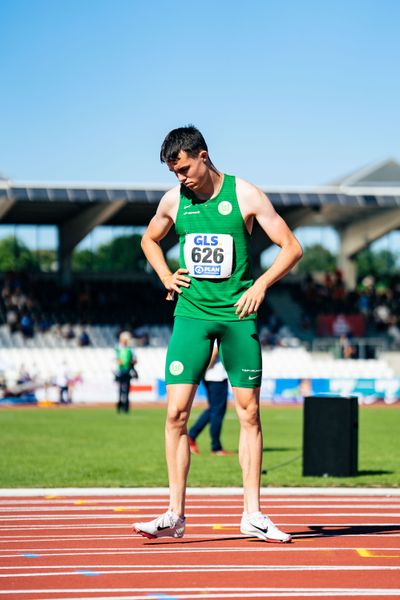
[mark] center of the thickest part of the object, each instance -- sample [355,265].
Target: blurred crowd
[24,382]
[37,306]
[325,306]
[374,302]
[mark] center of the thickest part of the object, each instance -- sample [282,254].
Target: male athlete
[218,299]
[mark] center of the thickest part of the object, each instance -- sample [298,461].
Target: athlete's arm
[255,204]
[157,229]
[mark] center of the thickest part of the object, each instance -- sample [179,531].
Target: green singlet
[213,298]
[214,247]
[124,355]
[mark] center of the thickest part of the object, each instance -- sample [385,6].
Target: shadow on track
[200,541]
[320,531]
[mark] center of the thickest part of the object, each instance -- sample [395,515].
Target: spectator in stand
[338,291]
[23,375]
[43,323]
[84,339]
[364,302]
[382,314]
[12,319]
[26,325]
[346,348]
[340,326]
[68,332]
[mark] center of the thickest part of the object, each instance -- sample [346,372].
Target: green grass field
[93,447]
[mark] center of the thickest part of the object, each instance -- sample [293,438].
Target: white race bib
[209,255]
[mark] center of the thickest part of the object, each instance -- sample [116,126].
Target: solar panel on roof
[98,195]
[38,193]
[58,194]
[293,199]
[78,194]
[275,198]
[20,193]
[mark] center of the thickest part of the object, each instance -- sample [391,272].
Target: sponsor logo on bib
[225,207]
[207,271]
[176,367]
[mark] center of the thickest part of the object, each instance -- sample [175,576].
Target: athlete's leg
[250,444]
[241,354]
[180,398]
[188,355]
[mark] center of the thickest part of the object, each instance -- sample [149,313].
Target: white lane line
[242,595]
[90,526]
[112,517]
[394,526]
[44,552]
[212,567]
[113,526]
[194,536]
[256,592]
[223,592]
[209,501]
[86,506]
[199,569]
[203,492]
[395,533]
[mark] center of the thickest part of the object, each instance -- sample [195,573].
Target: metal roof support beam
[76,229]
[359,235]
[5,205]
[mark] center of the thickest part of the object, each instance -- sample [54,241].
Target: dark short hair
[189,139]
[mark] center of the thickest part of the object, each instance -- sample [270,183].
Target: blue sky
[286,92]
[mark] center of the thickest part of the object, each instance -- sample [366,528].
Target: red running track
[54,547]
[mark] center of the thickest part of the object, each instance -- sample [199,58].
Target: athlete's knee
[248,410]
[250,416]
[177,419]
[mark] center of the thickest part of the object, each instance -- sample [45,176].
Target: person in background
[216,384]
[126,361]
[63,377]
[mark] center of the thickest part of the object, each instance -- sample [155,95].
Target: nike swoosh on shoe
[259,528]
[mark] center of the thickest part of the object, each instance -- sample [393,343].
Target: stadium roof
[384,174]
[369,190]
[362,206]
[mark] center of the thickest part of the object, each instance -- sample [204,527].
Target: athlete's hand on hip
[176,280]
[250,301]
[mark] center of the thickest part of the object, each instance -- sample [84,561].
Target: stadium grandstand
[321,333]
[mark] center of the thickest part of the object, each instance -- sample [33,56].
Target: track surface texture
[58,546]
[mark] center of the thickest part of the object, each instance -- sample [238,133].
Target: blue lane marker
[162,597]
[88,573]
[31,555]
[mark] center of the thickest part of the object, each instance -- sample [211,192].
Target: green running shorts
[191,345]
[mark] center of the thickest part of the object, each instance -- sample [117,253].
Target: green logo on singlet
[176,367]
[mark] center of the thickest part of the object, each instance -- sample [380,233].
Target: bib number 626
[207,255]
